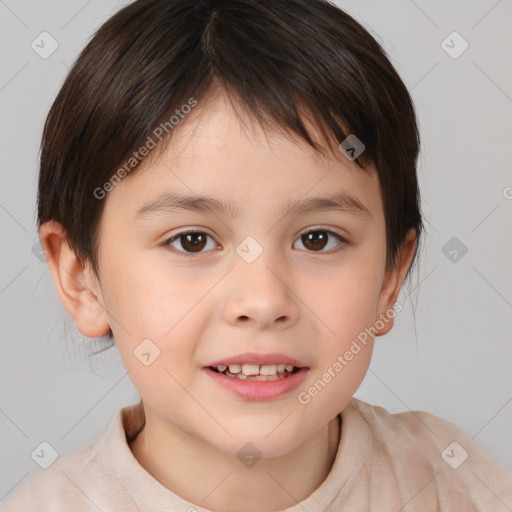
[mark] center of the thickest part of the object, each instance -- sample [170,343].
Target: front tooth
[250,369]
[221,367]
[289,367]
[281,367]
[235,368]
[268,369]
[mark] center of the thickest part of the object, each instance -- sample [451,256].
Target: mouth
[256,372]
[258,377]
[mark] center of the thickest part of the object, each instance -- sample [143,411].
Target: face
[249,281]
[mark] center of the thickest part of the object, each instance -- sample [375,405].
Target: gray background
[453,359]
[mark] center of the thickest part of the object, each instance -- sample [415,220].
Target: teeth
[256,372]
[268,369]
[260,377]
[250,369]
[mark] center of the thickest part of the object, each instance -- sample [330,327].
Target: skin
[309,304]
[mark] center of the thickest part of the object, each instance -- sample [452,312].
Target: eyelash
[342,244]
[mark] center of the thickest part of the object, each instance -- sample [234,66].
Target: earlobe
[392,284]
[76,285]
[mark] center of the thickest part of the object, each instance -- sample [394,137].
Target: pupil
[316,240]
[196,242]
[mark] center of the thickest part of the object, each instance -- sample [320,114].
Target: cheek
[347,310]
[346,299]
[150,297]
[154,314]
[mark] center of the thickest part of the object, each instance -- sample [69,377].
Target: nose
[260,295]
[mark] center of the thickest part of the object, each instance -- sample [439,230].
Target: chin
[258,443]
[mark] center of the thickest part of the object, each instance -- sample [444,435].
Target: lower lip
[259,390]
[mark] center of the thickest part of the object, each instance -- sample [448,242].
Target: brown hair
[277,59]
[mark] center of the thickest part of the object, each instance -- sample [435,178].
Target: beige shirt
[411,461]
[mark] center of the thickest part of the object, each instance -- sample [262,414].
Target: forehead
[217,151]
[223,125]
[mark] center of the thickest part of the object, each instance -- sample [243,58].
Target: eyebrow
[208,204]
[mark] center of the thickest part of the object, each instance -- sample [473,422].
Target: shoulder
[77,478]
[59,485]
[457,463]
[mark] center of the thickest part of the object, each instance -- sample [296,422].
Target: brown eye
[190,242]
[319,239]
[193,242]
[315,240]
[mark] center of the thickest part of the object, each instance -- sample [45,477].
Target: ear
[393,281]
[77,286]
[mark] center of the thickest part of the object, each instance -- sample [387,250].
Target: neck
[205,476]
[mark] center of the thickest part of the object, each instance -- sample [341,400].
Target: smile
[264,372]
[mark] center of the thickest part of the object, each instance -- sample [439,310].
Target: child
[228,189]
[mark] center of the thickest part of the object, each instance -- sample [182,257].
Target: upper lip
[255,358]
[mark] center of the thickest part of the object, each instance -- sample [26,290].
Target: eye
[317,239]
[191,241]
